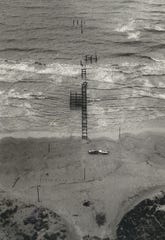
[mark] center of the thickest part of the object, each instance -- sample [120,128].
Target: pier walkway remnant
[84,111]
[79,101]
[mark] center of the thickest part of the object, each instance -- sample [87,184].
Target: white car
[93,151]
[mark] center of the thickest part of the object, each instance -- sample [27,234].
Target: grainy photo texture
[82,120]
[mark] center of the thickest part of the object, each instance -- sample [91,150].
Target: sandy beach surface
[81,187]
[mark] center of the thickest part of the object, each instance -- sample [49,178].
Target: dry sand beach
[90,192]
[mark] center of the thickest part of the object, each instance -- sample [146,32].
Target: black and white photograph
[82,119]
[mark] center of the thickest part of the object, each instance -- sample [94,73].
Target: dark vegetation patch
[28,222]
[86,203]
[146,221]
[100,219]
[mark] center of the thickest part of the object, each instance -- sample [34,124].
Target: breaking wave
[38,93]
[134,28]
[130,29]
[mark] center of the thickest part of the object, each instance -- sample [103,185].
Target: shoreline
[50,135]
[155,126]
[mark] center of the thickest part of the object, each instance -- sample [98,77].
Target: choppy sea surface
[127,84]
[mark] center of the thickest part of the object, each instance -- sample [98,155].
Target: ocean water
[126,85]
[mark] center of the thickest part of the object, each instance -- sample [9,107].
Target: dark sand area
[90,192]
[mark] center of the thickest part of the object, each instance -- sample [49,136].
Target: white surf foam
[130,29]
[13,94]
[17,66]
[160,28]
[13,71]
[105,74]
[29,95]
[157,27]
[146,93]
[160,96]
[8,109]
[156,68]
[60,69]
[134,35]
[147,83]
[158,60]
[161,84]
[130,26]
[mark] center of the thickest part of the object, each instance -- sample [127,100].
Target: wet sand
[80,187]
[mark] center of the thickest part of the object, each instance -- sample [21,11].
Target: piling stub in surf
[79,22]
[90,58]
